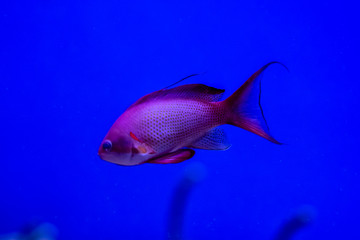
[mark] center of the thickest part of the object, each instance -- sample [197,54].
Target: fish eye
[107,145]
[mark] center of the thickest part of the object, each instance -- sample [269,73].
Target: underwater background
[69,68]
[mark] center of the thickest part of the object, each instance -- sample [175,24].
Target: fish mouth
[104,155]
[101,155]
[100,152]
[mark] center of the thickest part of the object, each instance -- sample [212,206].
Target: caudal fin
[244,109]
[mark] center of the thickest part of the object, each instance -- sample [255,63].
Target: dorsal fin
[199,92]
[192,75]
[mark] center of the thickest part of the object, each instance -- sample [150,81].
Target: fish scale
[169,122]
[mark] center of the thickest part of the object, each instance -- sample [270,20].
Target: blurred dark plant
[33,231]
[298,221]
[194,173]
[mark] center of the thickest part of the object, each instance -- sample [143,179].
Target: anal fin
[215,139]
[174,157]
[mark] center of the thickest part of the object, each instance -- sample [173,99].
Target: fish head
[122,149]
[116,149]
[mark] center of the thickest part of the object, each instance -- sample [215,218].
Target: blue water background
[68,69]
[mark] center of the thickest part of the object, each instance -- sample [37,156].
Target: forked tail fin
[244,109]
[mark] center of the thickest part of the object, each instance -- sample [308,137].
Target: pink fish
[167,125]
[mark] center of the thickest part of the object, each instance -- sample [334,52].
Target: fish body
[167,125]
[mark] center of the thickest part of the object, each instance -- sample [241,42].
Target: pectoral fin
[174,157]
[215,139]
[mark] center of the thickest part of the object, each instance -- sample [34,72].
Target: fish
[168,125]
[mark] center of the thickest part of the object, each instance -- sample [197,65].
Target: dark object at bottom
[293,225]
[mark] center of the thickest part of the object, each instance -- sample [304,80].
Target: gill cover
[140,146]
